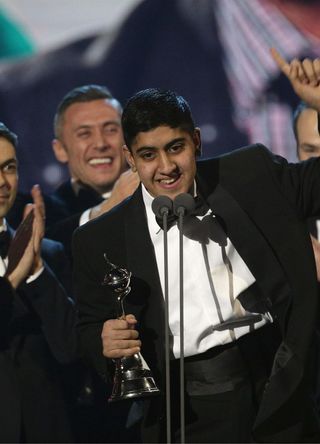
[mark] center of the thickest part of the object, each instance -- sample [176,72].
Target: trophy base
[135,383]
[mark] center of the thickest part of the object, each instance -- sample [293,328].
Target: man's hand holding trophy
[132,378]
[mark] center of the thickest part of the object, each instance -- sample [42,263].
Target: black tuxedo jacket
[38,339]
[75,203]
[263,202]
[72,205]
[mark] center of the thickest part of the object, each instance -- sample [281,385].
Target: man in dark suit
[88,139]
[306,128]
[250,289]
[38,335]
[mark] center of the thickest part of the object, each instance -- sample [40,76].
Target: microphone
[161,206]
[183,204]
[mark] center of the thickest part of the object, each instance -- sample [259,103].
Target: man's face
[91,143]
[308,138]
[165,159]
[8,176]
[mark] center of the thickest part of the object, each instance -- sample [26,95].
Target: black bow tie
[5,239]
[201,208]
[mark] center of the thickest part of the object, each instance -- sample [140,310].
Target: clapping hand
[24,256]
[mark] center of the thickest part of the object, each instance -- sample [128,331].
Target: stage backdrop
[190,46]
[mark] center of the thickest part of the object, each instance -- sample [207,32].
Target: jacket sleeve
[56,312]
[94,302]
[62,231]
[6,310]
[299,182]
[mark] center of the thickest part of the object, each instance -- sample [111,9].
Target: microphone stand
[182,205]
[182,401]
[162,206]
[166,320]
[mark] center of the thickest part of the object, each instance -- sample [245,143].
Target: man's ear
[60,151]
[197,142]
[129,158]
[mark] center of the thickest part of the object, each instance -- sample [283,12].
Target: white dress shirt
[214,275]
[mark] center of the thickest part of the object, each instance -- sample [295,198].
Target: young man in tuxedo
[250,289]
[37,319]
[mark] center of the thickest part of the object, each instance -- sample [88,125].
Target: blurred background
[213,52]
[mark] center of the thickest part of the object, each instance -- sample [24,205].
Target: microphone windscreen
[161,205]
[183,204]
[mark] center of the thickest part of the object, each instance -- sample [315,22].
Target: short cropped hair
[10,136]
[82,94]
[152,107]
[296,114]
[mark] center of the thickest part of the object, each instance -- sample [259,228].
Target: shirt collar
[152,223]
[4,226]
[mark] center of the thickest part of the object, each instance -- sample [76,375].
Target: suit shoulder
[62,189]
[111,220]
[54,255]
[242,156]
[255,150]
[51,245]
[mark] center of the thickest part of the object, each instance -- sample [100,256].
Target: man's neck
[77,185]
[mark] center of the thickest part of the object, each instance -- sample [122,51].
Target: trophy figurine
[132,378]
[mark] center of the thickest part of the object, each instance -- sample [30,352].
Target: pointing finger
[280,61]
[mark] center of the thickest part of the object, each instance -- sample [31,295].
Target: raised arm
[304,77]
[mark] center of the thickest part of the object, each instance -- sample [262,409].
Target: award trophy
[132,378]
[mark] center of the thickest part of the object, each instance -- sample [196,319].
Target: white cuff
[34,276]
[85,217]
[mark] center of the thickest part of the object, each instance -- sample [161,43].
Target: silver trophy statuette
[132,378]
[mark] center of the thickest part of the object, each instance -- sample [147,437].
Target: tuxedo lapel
[251,246]
[256,251]
[139,248]
[142,263]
